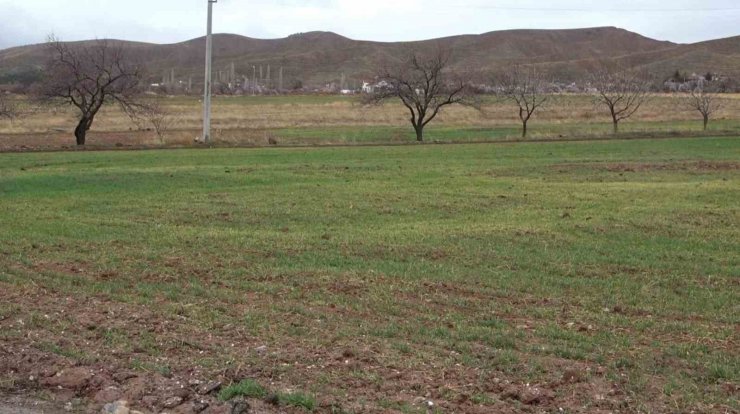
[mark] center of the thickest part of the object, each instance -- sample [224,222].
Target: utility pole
[207,87]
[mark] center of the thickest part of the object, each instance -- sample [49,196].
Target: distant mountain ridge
[317,58]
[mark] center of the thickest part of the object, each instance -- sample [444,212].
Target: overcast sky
[169,21]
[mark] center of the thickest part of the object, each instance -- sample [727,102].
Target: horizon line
[369,40]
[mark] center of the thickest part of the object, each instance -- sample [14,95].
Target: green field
[527,277]
[348,135]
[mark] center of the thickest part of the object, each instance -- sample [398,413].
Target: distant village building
[367,88]
[371,88]
[688,84]
[572,88]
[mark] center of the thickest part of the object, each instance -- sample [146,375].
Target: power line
[598,10]
[290,3]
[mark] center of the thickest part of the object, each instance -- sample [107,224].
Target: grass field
[581,277]
[317,120]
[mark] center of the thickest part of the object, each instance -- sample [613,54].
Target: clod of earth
[210,387]
[528,395]
[71,379]
[572,376]
[118,407]
[172,402]
[239,406]
[200,406]
[107,395]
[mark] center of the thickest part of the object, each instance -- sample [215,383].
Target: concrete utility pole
[207,87]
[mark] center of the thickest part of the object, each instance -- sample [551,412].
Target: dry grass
[254,119]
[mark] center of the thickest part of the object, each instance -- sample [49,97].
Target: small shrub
[245,388]
[298,399]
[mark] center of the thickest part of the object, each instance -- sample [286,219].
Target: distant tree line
[90,76]
[425,84]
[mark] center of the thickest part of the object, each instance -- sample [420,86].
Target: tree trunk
[81,131]
[419,132]
[706,122]
[616,126]
[524,129]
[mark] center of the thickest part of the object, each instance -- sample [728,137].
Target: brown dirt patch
[689,166]
[89,351]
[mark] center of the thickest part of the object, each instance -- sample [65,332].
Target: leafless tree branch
[525,88]
[7,109]
[622,92]
[153,114]
[423,84]
[89,76]
[706,101]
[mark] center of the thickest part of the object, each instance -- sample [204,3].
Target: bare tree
[7,109]
[525,88]
[424,84]
[623,93]
[153,114]
[706,102]
[89,76]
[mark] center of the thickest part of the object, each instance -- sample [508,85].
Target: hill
[317,58]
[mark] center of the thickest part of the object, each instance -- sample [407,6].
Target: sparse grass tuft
[246,388]
[298,399]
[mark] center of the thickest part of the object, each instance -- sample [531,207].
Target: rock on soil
[172,402]
[118,407]
[529,395]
